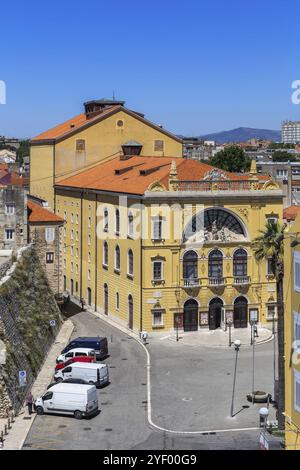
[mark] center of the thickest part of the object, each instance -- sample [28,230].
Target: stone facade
[13,218]
[49,252]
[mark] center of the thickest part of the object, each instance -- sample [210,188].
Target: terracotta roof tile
[38,213]
[291,212]
[103,176]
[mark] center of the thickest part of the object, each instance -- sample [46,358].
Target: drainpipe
[81,230]
[141,276]
[96,253]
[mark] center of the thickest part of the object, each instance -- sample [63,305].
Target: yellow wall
[41,173]
[102,140]
[292,303]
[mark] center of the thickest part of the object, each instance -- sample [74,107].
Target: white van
[75,352]
[77,400]
[96,374]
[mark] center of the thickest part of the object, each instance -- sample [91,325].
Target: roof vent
[92,108]
[132,147]
[72,125]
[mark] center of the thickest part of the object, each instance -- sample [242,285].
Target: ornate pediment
[270,185]
[215,174]
[156,186]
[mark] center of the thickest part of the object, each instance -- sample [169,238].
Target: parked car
[76,352]
[96,374]
[75,358]
[98,343]
[77,400]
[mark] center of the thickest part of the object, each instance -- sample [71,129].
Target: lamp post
[253,356]
[237,345]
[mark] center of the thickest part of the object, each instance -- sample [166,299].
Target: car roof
[88,338]
[66,387]
[88,365]
[79,349]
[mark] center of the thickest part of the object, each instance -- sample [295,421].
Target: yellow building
[104,130]
[158,243]
[292,332]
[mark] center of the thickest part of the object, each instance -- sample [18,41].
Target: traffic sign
[22,378]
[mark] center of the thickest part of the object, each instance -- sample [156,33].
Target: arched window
[105,219]
[117,258]
[190,265]
[215,264]
[130,263]
[117,221]
[130,224]
[105,253]
[105,294]
[130,311]
[240,262]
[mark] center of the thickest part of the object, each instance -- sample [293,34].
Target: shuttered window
[297,390]
[297,272]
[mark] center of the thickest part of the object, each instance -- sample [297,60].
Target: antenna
[114,95]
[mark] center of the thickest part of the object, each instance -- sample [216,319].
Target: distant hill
[242,134]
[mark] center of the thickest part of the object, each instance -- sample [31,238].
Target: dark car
[75,381]
[98,343]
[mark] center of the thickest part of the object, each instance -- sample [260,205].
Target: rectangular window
[89,222]
[157,318]
[297,271]
[297,391]
[49,234]
[158,146]
[270,270]
[72,267]
[49,257]
[9,209]
[271,311]
[80,145]
[157,228]
[117,301]
[297,331]
[157,270]
[9,234]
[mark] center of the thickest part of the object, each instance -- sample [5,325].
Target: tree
[231,159]
[283,156]
[270,245]
[23,151]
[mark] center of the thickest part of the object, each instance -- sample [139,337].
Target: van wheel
[39,410]
[77,414]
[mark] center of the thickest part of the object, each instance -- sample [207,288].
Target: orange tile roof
[38,213]
[77,122]
[291,212]
[103,177]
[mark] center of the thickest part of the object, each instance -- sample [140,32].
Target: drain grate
[87,429]
[124,358]
[27,445]
[112,367]
[145,402]
[143,384]
[27,417]
[108,429]
[62,426]
[106,403]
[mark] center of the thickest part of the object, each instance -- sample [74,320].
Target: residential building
[13,217]
[287,174]
[292,335]
[45,231]
[290,132]
[7,156]
[105,129]
[192,267]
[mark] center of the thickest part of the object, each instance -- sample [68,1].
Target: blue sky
[192,66]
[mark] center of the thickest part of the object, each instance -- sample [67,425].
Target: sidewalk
[218,338]
[20,428]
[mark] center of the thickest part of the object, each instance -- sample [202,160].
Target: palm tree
[269,245]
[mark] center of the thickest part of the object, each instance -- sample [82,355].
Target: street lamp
[263,415]
[237,345]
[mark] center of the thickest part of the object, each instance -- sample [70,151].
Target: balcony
[213,185]
[241,280]
[191,282]
[216,281]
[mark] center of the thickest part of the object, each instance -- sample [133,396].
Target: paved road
[122,423]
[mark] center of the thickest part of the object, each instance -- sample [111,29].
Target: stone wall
[27,305]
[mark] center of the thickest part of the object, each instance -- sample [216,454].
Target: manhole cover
[87,429]
[108,429]
[186,399]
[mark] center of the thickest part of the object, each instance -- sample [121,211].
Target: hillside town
[149,232]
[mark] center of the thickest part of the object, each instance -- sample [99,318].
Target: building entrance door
[240,313]
[215,310]
[190,315]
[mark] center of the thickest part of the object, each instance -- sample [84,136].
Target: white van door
[48,403]
[67,373]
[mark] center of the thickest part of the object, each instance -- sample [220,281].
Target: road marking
[165,337]
[172,431]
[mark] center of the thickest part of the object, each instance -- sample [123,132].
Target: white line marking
[149,409]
